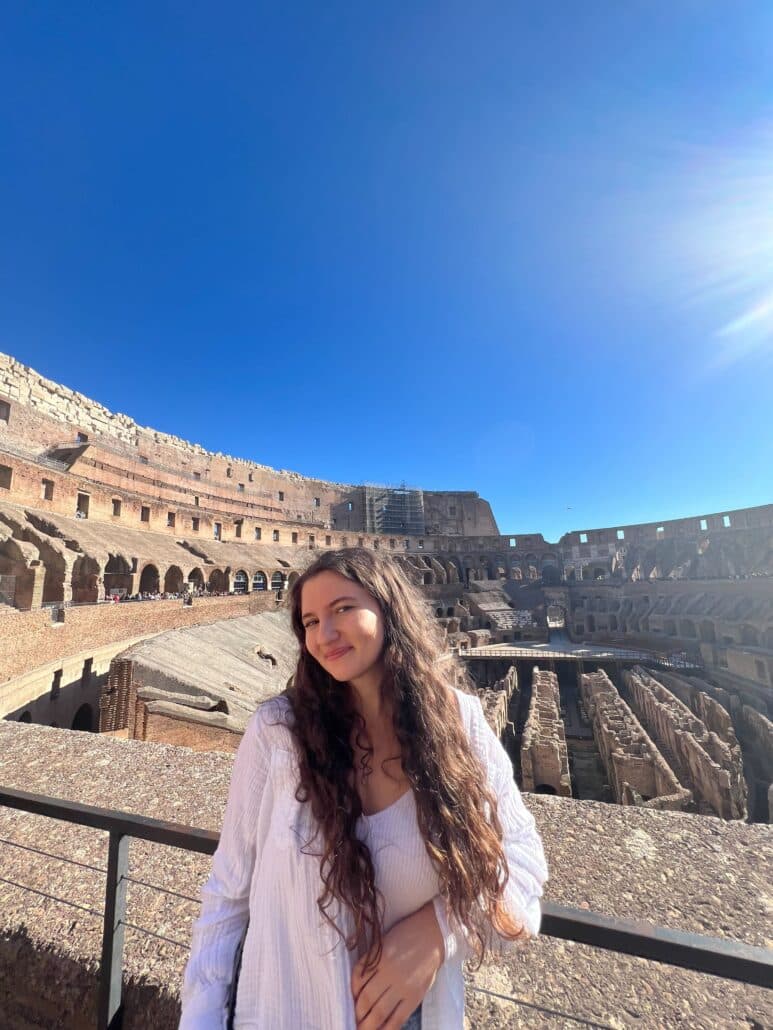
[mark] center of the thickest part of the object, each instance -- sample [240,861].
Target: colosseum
[628,671]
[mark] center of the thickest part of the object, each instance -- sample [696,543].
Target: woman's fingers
[360,978]
[374,1006]
[398,1017]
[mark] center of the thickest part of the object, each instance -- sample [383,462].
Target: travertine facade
[702,761]
[544,758]
[638,773]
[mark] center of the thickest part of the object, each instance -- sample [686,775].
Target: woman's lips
[337,654]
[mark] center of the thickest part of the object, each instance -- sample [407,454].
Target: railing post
[110,1012]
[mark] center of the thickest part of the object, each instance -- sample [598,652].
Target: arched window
[277,581]
[241,582]
[259,581]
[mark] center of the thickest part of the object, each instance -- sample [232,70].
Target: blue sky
[519,248]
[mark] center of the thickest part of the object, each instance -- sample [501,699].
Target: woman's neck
[370,704]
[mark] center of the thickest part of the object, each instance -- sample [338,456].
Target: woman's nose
[327,630]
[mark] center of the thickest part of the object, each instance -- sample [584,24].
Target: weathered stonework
[544,758]
[638,773]
[496,700]
[757,735]
[157,690]
[703,762]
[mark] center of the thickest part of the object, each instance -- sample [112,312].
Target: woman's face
[344,626]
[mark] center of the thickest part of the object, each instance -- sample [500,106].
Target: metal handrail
[617,654]
[729,959]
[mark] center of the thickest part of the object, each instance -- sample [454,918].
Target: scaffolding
[398,510]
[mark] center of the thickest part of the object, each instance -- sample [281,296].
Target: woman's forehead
[326,586]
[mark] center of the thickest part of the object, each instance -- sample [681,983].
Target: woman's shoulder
[271,722]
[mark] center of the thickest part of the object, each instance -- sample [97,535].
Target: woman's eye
[308,625]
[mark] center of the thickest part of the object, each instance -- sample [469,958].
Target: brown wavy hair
[457,813]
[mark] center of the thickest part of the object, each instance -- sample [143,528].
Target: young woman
[374,836]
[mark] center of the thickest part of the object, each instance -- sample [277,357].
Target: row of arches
[119,577]
[82,720]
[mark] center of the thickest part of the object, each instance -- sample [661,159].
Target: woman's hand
[413,951]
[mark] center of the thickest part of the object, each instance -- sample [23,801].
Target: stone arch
[173,580]
[218,581]
[149,580]
[117,576]
[544,788]
[259,580]
[708,633]
[517,573]
[551,575]
[428,578]
[196,579]
[599,572]
[292,578]
[86,575]
[452,570]
[84,718]
[277,581]
[439,613]
[550,560]
[241,582]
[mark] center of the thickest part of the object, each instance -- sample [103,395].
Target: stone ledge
[693,873]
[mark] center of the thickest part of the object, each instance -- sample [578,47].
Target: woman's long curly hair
[457,813]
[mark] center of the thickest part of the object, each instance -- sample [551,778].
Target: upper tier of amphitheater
[63,453]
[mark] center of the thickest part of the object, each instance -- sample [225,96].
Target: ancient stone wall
[107,455]
[705,763]
[164,728]
[496,700]
[544,758]
[32,638]
[637,772]
[756,732]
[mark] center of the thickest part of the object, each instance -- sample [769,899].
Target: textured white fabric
[396,846]
[295,968]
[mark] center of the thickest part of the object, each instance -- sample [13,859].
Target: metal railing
[590,653]
[725,958]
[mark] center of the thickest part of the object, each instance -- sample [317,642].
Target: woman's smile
[338,653]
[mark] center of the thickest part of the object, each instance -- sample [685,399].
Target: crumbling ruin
[638,773]
[544,758]
[703,762]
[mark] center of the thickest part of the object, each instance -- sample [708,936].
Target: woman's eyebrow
[330,605]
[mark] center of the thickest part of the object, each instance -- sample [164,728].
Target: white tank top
[404,874]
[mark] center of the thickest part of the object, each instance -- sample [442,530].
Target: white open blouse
[296,970]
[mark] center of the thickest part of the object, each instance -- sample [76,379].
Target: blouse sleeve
[225,896]
[522,845]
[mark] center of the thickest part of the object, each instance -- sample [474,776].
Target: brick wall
[29,639]
[163,729]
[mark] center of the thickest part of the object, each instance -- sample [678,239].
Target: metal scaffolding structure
[398,510]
